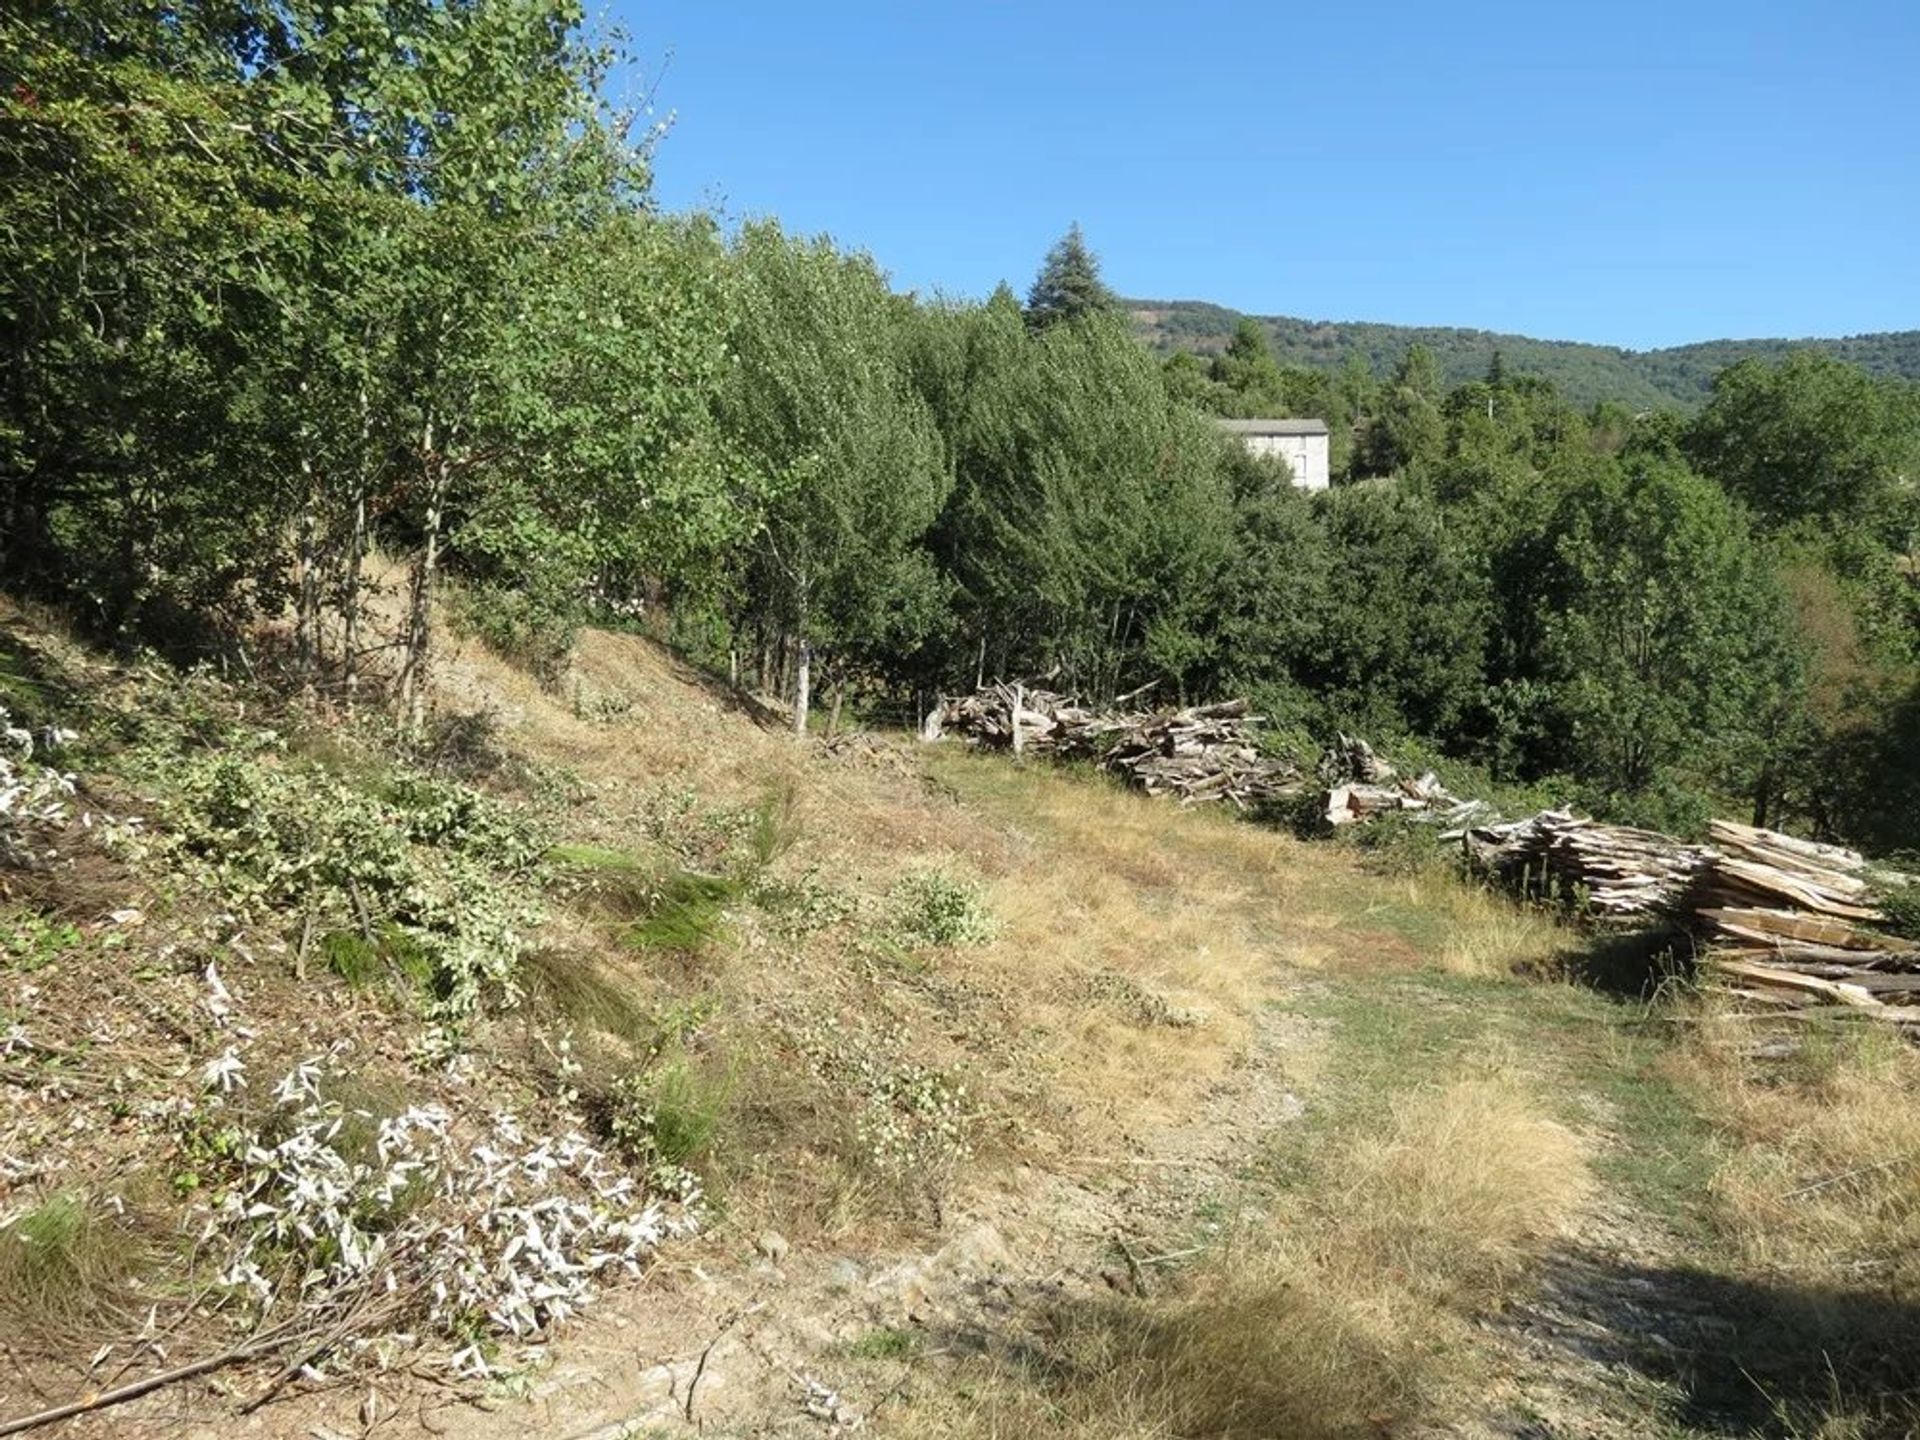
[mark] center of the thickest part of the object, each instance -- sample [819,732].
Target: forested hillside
[285,289]
[427,895]
[1679,377]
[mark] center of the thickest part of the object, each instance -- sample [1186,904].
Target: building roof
[1273,427]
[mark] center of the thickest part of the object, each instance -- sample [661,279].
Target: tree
[1808,437]
[1247,370]
[1410,429]
[1661,630]
[1068,286]
[1090,512]
[829,430]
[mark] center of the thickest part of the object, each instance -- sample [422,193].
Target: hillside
[1643,379]
[965,1097]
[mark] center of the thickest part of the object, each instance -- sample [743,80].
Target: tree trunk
[833,715]
[802,684]
[350,596]
[413,674]
[306,613]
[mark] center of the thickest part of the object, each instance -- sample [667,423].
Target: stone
[773,1245]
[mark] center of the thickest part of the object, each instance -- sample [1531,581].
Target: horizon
[1136,302]
[1484,168]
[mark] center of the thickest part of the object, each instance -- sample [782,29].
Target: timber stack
[1360,785]
[1196,754]
[1614,873]
[1789,924]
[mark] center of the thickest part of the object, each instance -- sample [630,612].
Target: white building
[1301,443]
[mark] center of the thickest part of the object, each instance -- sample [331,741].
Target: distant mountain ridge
[1677,377]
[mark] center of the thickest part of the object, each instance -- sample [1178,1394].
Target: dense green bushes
[283,285]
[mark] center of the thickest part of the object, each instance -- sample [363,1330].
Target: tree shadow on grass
[1739,1357]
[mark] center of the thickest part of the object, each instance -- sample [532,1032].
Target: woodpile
[1615,873]
[1361,785]
[1198,754]
[1785,922]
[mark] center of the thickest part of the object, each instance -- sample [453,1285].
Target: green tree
[1660,629]
[1068,286]
[1401,646]
[1409,431]
[1808,437]
[828,427]
[1247,370]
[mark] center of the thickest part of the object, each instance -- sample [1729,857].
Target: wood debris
[1197,754]
[1785,921]
[1361,785]
[1615,873]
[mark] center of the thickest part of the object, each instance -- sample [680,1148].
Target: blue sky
[1635,174]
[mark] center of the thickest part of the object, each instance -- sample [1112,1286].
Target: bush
[931,907]
[426,875]
[1902,909]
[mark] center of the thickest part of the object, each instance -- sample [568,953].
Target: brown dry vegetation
[1347,1315]
[728,951]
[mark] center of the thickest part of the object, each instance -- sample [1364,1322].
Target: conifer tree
[1069,284]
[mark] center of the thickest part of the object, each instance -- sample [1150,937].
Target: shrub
[931,907]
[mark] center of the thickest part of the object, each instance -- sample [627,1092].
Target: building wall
[1306,456]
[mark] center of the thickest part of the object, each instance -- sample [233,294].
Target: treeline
[1675,377]
[286,287]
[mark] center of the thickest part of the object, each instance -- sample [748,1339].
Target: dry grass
[67,1269]
[1343,1319]
[1823,1183]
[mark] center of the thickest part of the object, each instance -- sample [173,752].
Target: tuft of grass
[66,1265]
[591,858]
[670,1113]
[579,990]
[775,825]
[886,1342]
[393,955]
[686,914]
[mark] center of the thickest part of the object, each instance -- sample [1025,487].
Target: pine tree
[1069,284]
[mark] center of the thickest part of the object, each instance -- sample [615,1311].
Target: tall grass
[1346,1317]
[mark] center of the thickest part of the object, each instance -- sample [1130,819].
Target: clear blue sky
[1637,174]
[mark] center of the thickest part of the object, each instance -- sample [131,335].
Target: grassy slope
[1675,377]
[1505,1197]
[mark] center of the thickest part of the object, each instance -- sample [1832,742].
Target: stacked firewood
[1360,785]
[1788,923]
[1614,873]
[1197,754]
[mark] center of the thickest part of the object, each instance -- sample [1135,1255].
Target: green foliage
[840,450]
[931,907]
[30,942]
[427,879]
[1660,634]
[1068,286]
[1901,905]
[1809,436]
